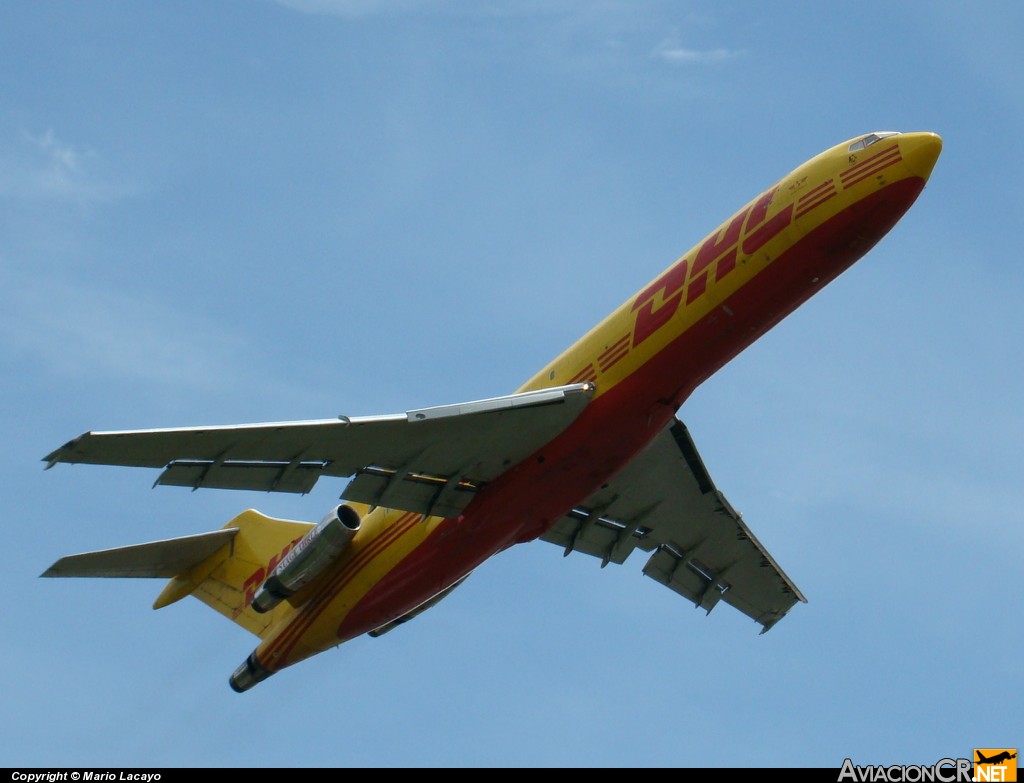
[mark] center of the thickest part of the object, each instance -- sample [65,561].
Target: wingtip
[62,454]
[53,458]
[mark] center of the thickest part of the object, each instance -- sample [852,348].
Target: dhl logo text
[748,231]
[259,576]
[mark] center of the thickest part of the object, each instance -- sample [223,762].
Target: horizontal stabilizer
[161,559]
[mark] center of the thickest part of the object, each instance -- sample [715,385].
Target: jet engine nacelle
[315,551]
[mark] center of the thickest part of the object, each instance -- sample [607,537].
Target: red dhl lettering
[650,318]
[756,238]
[259,576]
[721,247]
[250,587]
[714,248]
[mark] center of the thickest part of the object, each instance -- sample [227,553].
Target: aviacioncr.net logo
[998,765]
[942,771]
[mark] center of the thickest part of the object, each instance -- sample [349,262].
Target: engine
[309,558]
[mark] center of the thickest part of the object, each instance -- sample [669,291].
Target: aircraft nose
[920,151]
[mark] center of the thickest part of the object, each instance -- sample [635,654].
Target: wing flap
[164,559]
[298,477]
[666,503]
[594,534]
[673,570]
[417,492]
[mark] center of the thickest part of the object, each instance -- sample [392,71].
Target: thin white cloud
[40,166]
[79,331]
[357,7]
[83,333]
[670,51]
[478,8]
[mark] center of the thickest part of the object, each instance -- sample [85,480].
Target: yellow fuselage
[645,358]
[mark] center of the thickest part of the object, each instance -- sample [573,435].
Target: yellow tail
[227,580]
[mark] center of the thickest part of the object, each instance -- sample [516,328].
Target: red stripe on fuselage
[878,163]
[586,374]
[850,183]
[529,498]
[283,644]
[881,154]
[814,204]
[615,347]
[610,361]
[810,194]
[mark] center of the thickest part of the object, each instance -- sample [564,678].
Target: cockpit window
[870,139]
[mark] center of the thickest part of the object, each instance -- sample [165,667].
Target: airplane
[588,454]
[999,758]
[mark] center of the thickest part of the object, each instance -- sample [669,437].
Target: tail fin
[227,581]
[223,569]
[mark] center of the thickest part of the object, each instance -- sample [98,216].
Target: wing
[429,461]
[665,502]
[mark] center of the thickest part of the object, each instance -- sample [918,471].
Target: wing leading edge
[665,502]
[429,461]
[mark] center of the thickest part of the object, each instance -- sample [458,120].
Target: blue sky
[254,210]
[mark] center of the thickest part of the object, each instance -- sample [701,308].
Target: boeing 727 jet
[588,454]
